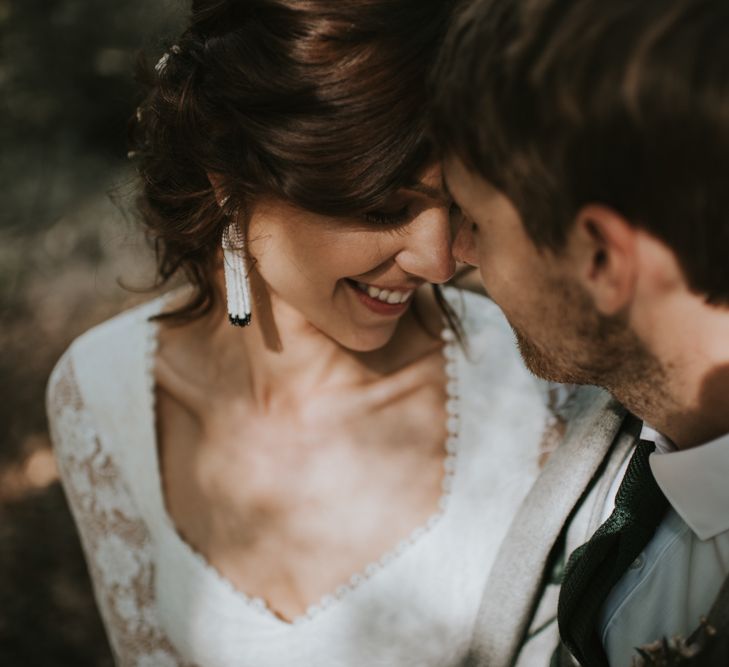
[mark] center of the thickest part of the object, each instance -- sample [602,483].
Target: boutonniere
[703,648]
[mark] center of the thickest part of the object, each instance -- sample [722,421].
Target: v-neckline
[451,358]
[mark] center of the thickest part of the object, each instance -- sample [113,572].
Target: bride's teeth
[394,297]
[386,296]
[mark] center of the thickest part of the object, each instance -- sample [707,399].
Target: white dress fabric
[163,605]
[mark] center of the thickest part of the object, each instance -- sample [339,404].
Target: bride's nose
[428,248]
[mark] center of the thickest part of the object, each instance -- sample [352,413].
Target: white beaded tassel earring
[236,276]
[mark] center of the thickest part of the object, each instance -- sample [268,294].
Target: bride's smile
[350,277]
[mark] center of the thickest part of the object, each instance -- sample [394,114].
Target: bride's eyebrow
[439,194]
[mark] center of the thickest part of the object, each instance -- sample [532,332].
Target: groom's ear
[603,245]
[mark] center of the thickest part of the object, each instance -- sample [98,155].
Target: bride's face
[353,279]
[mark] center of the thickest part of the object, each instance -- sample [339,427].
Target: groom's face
[561,335]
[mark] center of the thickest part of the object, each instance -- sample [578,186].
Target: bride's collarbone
[388,415]
[258,478]
[225,461]
[282,454]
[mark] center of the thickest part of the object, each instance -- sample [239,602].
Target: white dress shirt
[676,578]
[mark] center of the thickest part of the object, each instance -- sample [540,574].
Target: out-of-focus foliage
[66,91]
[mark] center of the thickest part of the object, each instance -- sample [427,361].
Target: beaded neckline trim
[450,356]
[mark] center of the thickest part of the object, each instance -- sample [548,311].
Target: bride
[328,484]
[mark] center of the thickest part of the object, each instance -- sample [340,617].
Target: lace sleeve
[114,537]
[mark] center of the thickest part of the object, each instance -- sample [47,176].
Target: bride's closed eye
[388,217]
[399,216]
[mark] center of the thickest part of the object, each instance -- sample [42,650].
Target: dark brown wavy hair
[321,103]
[561,103]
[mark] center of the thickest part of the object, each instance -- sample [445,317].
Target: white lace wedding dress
[164,606]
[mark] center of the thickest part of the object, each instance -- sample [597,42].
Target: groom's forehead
[466,186]
[457,179]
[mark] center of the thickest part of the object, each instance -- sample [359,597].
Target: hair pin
[162,62]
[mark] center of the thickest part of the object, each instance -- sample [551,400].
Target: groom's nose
[427,251]
[464,246]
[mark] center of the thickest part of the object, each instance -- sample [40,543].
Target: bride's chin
[360,340]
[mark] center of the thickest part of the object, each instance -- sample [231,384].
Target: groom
[587,144]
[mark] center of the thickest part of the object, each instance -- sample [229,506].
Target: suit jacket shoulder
[518,596]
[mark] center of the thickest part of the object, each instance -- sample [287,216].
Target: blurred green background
[67,235]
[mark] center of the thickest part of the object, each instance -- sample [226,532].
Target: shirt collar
[663,444]
[695,481]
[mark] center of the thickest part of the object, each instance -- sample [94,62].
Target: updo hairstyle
[321,103]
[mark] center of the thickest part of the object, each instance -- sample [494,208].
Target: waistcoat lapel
[513,587]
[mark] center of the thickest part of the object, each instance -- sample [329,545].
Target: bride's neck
[283,359]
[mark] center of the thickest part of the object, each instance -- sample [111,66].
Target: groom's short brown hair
[559,103]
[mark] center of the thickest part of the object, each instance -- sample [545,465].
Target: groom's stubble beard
[575,344]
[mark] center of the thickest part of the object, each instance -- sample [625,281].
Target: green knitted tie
[595,567]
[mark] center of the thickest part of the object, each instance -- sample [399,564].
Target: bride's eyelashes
[385,217]
[396,216]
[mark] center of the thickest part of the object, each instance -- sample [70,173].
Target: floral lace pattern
[114,538]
